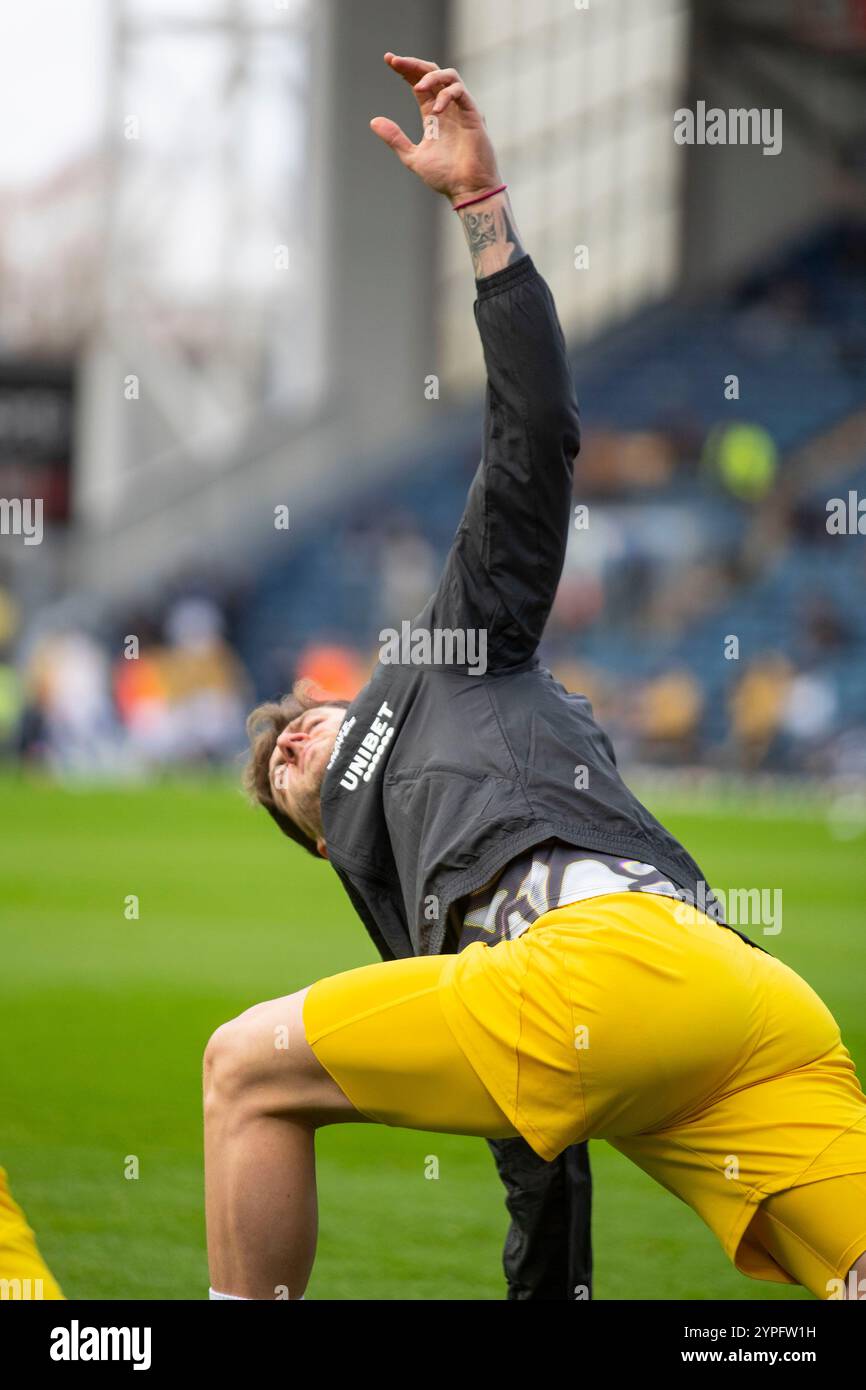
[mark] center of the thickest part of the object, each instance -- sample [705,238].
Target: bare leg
[855,1284]
[264,1096]
[266,1093]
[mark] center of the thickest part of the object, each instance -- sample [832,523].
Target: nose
[289,739]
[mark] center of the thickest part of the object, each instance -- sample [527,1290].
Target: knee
[252,1057]
[228,1062]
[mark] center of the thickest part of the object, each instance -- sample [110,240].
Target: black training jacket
[440,776]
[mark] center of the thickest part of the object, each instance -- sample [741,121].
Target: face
[298,765]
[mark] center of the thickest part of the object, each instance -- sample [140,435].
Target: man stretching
[596,1001]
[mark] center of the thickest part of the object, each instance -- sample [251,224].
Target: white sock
[238,1297]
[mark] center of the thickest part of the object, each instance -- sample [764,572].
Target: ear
[322,847]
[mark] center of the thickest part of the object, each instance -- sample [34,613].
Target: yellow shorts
[635,1019]
[23,1272]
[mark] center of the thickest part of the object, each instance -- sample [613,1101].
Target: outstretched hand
[454,155]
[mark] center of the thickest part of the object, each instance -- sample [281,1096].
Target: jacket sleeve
[505,563]
[391,938]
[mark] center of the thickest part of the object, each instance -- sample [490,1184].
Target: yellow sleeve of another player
[23,1272]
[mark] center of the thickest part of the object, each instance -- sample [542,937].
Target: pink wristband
[482,197]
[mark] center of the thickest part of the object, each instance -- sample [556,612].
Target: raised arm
[504,566]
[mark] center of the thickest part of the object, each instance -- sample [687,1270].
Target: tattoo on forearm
[492,237]
[480,232]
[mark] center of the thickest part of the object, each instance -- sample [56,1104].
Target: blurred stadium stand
[267,379]
[676,556]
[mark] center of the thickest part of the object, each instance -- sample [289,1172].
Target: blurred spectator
[669,709]
[614,461]
[827,632]
[11,706]
[11,688]
[744,458]
[142,697]
[333,670]
[68,682]
[809,714]
[205,684]
[757,705]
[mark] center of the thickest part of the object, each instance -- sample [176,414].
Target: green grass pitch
[104,1020]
